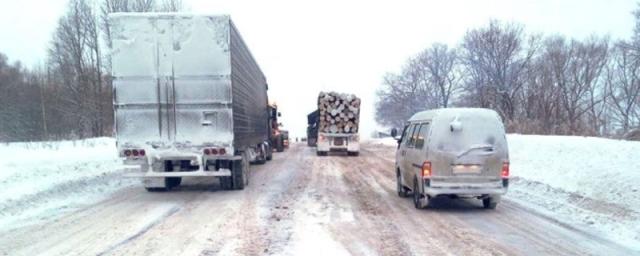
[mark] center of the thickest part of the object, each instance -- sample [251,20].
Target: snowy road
[300,204]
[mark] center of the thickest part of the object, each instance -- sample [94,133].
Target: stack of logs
[339,113]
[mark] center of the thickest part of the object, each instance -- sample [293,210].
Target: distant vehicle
[276,136]
[313,121]
[189,99]
[456,152]
[338,123]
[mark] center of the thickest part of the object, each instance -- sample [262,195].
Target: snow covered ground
[579,182]
[590,183]
[43,179]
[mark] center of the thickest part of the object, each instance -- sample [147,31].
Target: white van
[456,152]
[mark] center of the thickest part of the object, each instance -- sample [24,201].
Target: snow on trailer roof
[431,114]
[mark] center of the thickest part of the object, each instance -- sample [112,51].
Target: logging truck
[338,123]
[189,99]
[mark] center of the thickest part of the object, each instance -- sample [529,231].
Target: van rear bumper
[465,189]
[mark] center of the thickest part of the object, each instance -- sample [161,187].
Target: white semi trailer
[189,99]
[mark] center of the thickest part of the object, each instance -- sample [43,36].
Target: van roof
[431,114]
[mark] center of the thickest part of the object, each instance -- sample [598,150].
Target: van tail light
[505,170]
[426,169]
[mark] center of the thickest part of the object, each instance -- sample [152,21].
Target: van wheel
[402,191]
[489,203]
[419,201]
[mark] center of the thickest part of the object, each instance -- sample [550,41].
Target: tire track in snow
[173,210]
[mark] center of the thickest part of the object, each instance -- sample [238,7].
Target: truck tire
[353,153]
[280,144]
[322,153]
[311,142]
[262,157]
[240,173]
[226,183]
[269,152]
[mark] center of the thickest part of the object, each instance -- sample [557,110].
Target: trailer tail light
[426,169]
[214,151]
[134,153]
[505,170]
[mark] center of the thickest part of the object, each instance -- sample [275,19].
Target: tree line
[70,95]
[538,84]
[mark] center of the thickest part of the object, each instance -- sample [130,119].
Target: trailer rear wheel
[226,183]
[240,172]
[353,153]
[322,153]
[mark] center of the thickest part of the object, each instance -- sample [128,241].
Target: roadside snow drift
[41,179]
[591,182]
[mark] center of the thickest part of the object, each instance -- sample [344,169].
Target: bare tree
[623,83]
[496,57]
[442,76]
[75,55]
[171,6]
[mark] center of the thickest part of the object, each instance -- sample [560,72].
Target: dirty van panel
[468,144]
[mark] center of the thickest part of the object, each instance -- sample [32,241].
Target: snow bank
[590,182]
[601,169]
[44,178]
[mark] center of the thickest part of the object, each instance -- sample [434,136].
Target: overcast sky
[304,47]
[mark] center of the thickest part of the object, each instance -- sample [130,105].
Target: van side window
[414,136]
[406,138]
[422,135]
